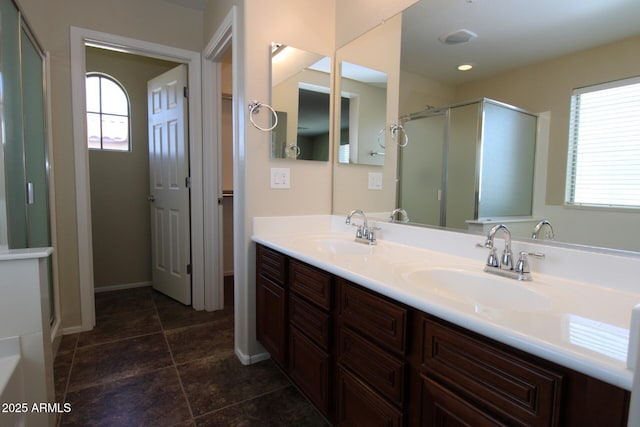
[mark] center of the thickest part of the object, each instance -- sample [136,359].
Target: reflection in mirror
[523,57]
[468,162]
[301,97]
[363,110]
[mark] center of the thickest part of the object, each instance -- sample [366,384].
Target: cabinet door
[382,371]
[442,408]
[509,385]
[271,327]
[358,405]
[310,369]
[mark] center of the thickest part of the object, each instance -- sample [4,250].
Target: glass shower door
[421,188]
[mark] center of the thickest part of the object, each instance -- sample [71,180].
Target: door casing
[79,39]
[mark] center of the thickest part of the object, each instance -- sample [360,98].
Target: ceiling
[511,33]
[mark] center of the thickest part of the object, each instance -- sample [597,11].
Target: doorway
[79,39]
[226,168]
[119,179]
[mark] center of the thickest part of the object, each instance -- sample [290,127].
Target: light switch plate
[280,178]
[375,181]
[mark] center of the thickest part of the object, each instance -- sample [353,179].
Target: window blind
[604,145]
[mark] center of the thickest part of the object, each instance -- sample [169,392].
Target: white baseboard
[72,330]
[122,286]
[246,359]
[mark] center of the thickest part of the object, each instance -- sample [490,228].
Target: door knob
[151,198]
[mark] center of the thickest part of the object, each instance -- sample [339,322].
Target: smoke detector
[458,37]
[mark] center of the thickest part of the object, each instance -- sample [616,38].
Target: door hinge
[187,182]
[219,200]
[186,92]
[188,268]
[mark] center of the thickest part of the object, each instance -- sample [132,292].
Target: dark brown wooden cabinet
[359,405]
[463,378]
[271,303]
[371,348]
[442,408]
[366,360]
[310,333]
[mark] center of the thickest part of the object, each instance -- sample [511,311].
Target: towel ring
[295,149]
[394,128]
[254,107]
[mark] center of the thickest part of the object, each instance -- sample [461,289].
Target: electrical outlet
[280,178]
[375,181]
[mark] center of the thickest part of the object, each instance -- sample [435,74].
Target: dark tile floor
[152,361]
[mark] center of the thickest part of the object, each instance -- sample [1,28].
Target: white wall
[378,49]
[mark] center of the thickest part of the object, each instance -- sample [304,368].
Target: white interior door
[169,184]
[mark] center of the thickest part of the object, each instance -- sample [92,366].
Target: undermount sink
[480,289]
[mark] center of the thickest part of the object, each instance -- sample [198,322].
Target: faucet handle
[507,259]
[522,266]
[370,232]
[538,255]
[492,260]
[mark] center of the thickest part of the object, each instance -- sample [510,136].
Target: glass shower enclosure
[468,161]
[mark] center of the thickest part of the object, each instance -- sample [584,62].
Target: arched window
[108,114]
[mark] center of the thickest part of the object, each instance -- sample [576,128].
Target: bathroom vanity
[381,335]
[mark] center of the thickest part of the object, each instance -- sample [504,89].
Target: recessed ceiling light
[465,67]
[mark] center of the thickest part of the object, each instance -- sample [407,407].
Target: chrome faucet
[504,266]
[364,234]
[401,215]
[549,230]
[506,261]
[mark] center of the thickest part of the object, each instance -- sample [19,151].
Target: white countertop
[28,253]
[581,325]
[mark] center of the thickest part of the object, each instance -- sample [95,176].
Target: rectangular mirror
[363,110]
[537,74]
[301,97]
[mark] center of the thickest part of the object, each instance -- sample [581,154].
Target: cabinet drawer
[272,264]
[380,319]
[383,372]
[508,385]
[310,320]
[358,405]
[309,367]
[441,407]
[310,283]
